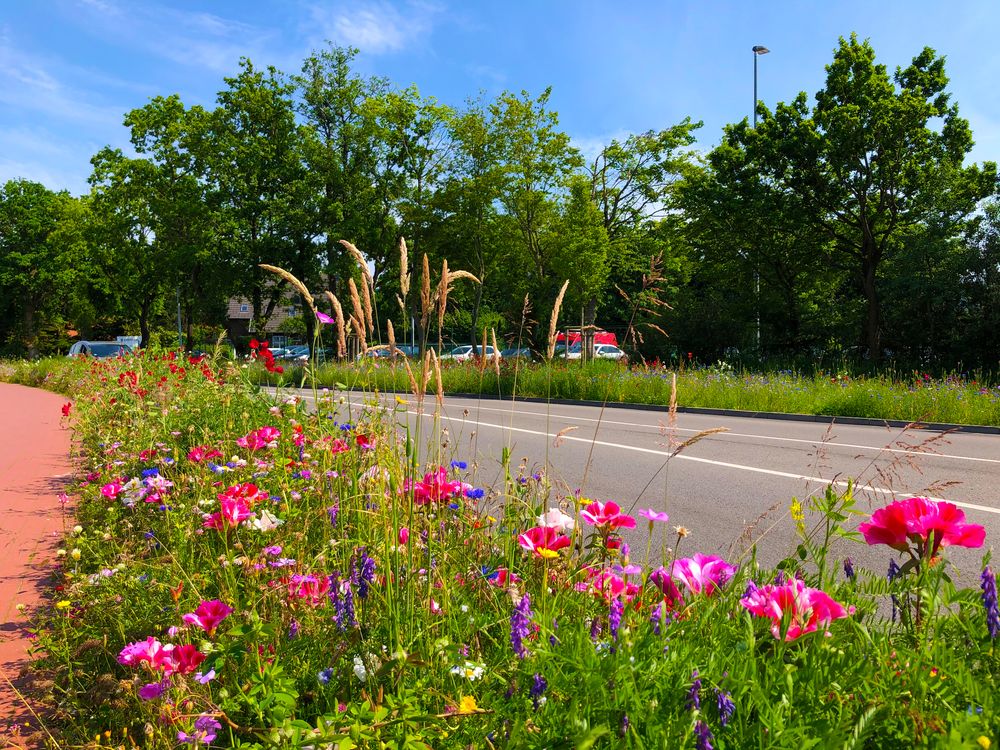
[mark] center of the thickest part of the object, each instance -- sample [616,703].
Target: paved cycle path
[35,468]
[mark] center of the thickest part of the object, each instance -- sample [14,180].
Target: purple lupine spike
[520,626]
[615,617]
[703,736]
[724,702]
[694,693]
[538,687]
[989,587]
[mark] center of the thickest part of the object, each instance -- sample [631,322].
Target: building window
[244,308]
[291,311]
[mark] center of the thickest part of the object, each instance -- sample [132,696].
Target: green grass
[915,398]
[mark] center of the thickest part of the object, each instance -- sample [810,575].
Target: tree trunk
[870,330]
[144,323]
[30,339]
[475,314]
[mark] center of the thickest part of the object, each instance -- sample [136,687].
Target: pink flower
[111,490]
[202,453]
[149,651]
[794,608]
[248,492]
[502,577]
[543,541]
[339,446]
[662,580]
[610,586]
[208,616]
[654,515]
[702,574]
[309,588]
[434,488]
[923,522]
[607,515]
[154,690]
[265,437]
[404,535]
[234,511]
[322,317]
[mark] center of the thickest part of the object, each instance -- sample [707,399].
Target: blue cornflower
[989,587]
[459,465]
[346,427]
[520,625]
[325,676]
[475,493]
[152,472]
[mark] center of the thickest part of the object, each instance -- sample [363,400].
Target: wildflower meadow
[245,572]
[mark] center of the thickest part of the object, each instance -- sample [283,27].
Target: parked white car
[99,349]
[601,351]
[463,353]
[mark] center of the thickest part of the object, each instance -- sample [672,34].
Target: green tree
[875,157]
[43,260]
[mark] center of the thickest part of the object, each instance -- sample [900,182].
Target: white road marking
[750,435]
[724,464]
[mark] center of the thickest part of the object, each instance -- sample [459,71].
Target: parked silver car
[99,349]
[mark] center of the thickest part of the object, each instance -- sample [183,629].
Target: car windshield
[109,349]
[461,350]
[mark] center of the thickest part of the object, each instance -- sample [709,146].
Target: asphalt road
[729,485]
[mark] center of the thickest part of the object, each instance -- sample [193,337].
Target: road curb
[821,418]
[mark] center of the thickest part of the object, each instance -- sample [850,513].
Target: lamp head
[760,50]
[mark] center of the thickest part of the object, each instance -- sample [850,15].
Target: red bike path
[35,468]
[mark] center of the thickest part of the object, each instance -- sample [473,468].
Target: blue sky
[70,69]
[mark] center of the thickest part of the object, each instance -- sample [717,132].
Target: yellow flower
[984,742]
[548,554]
[401,401]
[467,705]
[64,604]
[798,515]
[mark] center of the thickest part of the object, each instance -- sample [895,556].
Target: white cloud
[373,27]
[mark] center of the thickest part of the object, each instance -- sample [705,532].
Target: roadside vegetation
[245,573]
[914,397]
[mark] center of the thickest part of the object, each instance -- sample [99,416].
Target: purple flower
[694,693]
[595,629]
[849,568]
[724,702]
[989,587]
[205,731]
[332,512]
[538,686]
[153,690]
[655,616]
[362,572]
[625,724]
[615,616]
[205,677]
[293,629]
[520,626]
[892,575]
[703,736]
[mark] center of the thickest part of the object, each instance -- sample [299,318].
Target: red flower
[927,523]
[66,409]
[543,541]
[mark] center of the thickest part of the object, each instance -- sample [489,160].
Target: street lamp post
[758,50]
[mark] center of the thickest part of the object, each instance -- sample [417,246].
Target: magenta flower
[607,515]
[794,608]
[154,690]
[543,541]
[662,580]
[111,490]
[150,652]
[322,317]
[404,535]
[265,437]
[234,511]
[434,487]
[208,616]
[702,574]
[926,523]
[654,515]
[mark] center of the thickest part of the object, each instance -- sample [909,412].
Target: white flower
[470,670]
[556,519]
[267,521]
[359,669]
